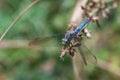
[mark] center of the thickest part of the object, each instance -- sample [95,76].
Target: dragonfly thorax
[68,37]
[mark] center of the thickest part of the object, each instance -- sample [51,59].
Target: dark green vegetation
[50,17]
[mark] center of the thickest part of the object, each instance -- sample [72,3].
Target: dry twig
[77,16]
[18,17]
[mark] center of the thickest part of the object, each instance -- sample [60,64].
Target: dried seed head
[116,3]
[92,5]
[87,33]
[64,52]
[72,26]
[95,18]
[77,44]
[82,7]
[72,52]
[62,55]
[79,36]
[96,1]
[104,14]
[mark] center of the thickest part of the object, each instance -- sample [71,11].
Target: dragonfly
[70,35]
[73,40]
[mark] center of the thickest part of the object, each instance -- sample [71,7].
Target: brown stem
[18,17]
[77,16]
[75,68]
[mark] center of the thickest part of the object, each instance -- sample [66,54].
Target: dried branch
[18,17]
[77,16]
[24,44]
[75,69]
[13,44]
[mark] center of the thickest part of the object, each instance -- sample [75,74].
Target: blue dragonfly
[72,40]
[69,46]
[70,35]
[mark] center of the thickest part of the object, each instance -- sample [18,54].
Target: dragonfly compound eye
[64,41]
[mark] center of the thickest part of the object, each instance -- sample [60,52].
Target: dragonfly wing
[87,55]
[82,55]
[38,40]
[80,64]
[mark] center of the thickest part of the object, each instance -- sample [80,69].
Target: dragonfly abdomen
[82,26]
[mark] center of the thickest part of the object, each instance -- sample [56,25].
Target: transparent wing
[86,55]
[38,40]
[79,59]
[82,55]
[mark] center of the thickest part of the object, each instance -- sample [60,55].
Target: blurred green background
[19,61]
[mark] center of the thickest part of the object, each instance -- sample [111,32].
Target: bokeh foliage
[50,17]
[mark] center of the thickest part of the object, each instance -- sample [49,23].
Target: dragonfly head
[68,37]
[65,41]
